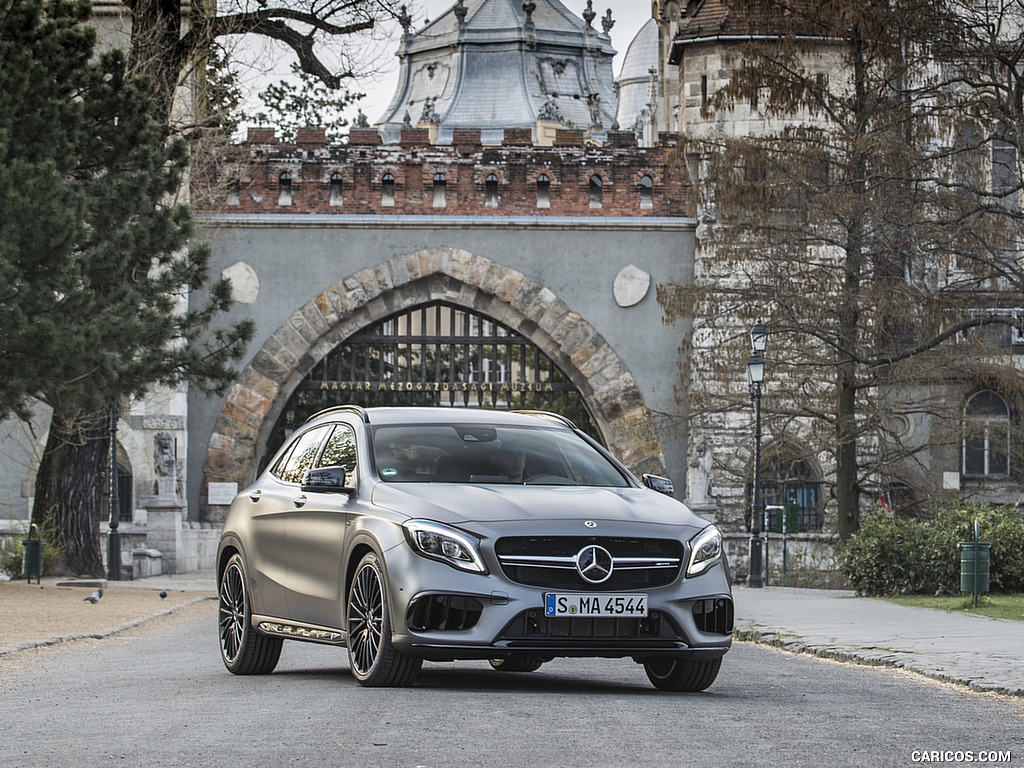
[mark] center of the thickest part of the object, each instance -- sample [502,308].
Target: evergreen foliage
[95,258]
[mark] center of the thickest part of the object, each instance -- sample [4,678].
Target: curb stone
[29,645]
[875,657]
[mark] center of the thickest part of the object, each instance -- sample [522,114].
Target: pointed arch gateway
[445,276]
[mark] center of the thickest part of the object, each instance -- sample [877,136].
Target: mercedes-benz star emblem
[590,524]
[594,563]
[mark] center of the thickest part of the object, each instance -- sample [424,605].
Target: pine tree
[94,257]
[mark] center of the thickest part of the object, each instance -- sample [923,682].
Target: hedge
[890,555]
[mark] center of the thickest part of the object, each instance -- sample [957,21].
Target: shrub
[890,555]
[12,552]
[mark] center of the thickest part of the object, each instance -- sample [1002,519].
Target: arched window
[790,481]
[986,441]
[387,190]
[337,196]
[543,191]
[284,189]
[491,191]
[646,192]
[440,190]
[596,191]
[234,189]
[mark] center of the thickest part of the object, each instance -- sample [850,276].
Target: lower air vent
[533,625]
[430,613]
[714,616]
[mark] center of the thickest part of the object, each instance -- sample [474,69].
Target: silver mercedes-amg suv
[412,534]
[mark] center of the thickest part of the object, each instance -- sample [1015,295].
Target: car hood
[459,504]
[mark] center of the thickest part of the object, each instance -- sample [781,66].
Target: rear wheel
[243,649]
[517,664]
[685,676]
[374,660]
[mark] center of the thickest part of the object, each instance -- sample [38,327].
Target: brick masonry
[250,182]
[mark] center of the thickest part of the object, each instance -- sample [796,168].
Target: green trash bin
[974,566]
[32,560]
[787,519]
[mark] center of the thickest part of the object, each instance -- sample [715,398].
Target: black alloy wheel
[243,649]
[374,661]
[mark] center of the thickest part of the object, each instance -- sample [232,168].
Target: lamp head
[755,369]
[759,337]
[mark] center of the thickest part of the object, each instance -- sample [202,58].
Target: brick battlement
[365,177]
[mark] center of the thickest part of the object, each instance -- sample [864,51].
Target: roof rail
[549,416]
[358,410]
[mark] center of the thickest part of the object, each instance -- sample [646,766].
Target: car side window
[340,451]
[302,457]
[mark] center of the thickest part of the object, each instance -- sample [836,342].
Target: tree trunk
[69,486]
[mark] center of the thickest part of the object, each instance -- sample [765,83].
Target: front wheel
[243,649]
[374,660]
[682,676]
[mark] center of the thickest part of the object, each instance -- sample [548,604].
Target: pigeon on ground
[163,593]
[94,597]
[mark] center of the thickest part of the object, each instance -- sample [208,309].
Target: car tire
[373,659]
[243,650]
[682,676]
[517,664]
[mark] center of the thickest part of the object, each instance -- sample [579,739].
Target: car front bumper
[440,613]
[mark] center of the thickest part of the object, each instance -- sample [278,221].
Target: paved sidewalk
[984,654]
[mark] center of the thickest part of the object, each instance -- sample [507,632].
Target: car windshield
[475,453]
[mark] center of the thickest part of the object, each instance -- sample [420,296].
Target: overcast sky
[629,16]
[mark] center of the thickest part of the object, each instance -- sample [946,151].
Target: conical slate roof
[635,76]
[489,64]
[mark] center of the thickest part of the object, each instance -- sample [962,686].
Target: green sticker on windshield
[388,472]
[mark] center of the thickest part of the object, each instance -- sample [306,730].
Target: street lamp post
[755,378]
[114,538]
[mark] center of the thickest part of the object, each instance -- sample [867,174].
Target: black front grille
[522,561]
[534,625]
[443,612]
[570,545]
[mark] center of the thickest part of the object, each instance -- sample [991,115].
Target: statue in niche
[165,463]
[700,472]
[594,103]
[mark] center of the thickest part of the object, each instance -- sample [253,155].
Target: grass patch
[999,606]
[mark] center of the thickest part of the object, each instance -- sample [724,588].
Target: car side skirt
[291,630]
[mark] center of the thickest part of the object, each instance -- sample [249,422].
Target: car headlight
[705,551]
[449,545]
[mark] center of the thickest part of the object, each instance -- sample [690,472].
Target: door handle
[299,501]
[255,495]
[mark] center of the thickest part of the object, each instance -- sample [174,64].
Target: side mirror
[660,484]
[325,480]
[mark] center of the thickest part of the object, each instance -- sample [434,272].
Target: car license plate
[591,605]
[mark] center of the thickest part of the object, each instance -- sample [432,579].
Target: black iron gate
[436,354]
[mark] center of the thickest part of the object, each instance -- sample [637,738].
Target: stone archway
[254,403]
